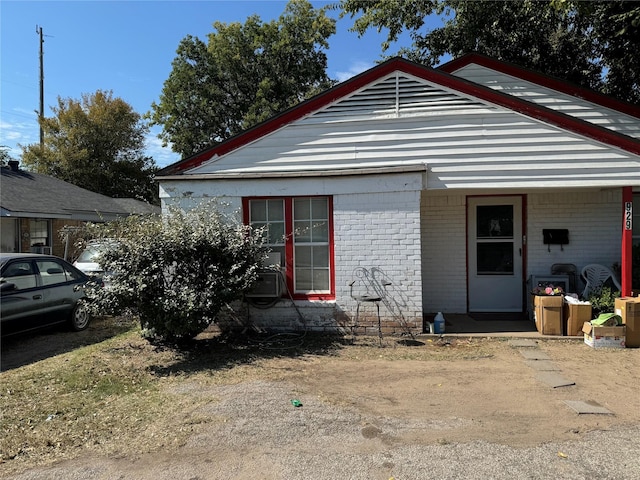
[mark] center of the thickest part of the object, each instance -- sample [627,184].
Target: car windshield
[90,254]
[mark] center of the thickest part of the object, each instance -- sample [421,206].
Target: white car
[88,263]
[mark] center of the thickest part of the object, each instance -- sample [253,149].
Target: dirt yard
[377,413]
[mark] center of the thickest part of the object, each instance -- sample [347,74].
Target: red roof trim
[543,80]
[440,77]
[295,113]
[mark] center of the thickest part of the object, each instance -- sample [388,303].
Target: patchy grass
[122,395]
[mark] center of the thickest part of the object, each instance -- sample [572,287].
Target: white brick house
[439,183]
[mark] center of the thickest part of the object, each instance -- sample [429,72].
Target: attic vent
[396,95]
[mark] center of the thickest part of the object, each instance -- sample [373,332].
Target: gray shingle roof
[24,193]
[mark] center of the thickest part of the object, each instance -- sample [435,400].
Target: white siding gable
[401,120]
[398,95]
[547,97]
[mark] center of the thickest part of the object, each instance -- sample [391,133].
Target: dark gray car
[38,291]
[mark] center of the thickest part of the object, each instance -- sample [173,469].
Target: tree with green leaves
[243,75]
[593,44]
[5,156]
[96,143]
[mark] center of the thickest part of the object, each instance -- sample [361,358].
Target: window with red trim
[300,229]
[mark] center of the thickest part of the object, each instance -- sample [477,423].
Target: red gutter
[438,77]
[541,79]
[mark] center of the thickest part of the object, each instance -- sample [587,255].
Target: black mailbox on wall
[555,236]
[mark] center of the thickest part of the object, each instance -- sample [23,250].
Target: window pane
[320,232]
[301,209]
[21,274]
[279,250]
[51,272]
[71,275]
[495,221]
[495,258]
[320,257]
[312,268]
[258,211]
[302,231]
[276,233]
[319,208]
[276,210]
[321,279]
[303,257]
[269,213]
[303,280]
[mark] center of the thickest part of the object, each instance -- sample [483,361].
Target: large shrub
[177,272]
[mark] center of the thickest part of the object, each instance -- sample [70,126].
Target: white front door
[494,253]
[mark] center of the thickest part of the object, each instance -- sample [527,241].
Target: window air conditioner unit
[267,286]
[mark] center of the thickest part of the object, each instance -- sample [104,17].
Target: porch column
[627,241]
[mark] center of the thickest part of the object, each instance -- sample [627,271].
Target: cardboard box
[574,318]
[548,313]
[629,309]
[604,337]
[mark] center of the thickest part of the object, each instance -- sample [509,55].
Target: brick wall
[377,232]
[592,217]
[381,233]
[444,267]
[594,221]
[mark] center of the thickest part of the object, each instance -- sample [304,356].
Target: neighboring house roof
[358,96]
[137,207]
[28,194]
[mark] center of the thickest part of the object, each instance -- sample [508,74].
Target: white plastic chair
[595,276]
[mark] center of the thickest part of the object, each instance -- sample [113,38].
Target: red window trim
[288,249]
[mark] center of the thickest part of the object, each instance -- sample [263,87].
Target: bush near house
[176,273]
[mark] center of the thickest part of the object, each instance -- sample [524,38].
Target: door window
[494,239]
[52,272]
[21,274]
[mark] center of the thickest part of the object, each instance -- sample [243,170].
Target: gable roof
[434,76]
[28,194]
[541,79]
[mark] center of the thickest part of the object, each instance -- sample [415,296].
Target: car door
[59,288]
[21,296]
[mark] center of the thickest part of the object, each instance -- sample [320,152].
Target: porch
[494,325]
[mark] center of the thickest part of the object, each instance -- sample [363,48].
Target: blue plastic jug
[438,323]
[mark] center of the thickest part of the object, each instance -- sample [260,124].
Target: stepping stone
[534,355]
[523,343]
[554,380]
[543,365]
[582,407]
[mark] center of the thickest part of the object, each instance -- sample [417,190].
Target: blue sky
[126,47]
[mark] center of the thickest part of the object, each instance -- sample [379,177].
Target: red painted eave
[439,77]
[288,116]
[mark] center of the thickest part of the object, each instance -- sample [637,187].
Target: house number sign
[628,215]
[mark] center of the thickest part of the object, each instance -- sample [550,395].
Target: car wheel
[80,317]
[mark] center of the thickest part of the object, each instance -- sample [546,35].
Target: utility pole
[41,114]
